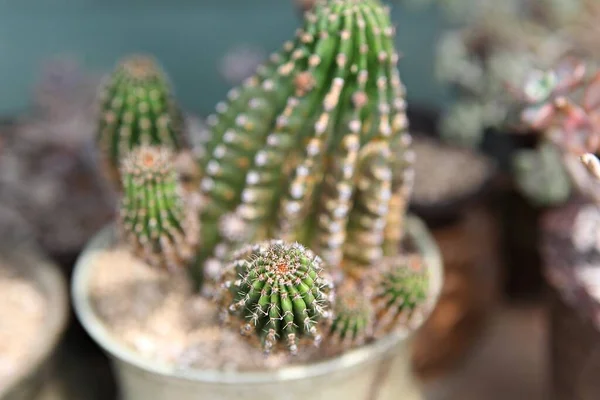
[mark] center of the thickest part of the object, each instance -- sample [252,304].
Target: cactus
[280,292]
[156,219]
[136,107]
[353,319]
[309,149]
[399,292]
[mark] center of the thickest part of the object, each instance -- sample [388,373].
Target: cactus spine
[156,219]
[280,292]
[136,107]
[306,149]
[399,293]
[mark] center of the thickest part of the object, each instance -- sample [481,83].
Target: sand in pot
[22,318]
[158,315]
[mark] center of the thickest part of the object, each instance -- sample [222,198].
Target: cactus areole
[280,292]
[312,148]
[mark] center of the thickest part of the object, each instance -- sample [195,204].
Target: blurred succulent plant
[564,104]
[541,175]
[499,46]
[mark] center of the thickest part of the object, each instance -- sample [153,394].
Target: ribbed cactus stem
[136,107]
[280,292]
[156,219]
[289,145]
[336,202]
[399,293]
[402,187]
[368,218]
[353,319]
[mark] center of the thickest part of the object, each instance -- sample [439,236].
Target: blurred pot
[380,371]
[18,250]
[572,265]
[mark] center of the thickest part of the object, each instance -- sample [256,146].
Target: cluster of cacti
[136,107]
[308,149]
[280,291]
[283,295]
[156,218]
[313,151]
[399,292]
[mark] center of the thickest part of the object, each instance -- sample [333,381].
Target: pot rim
[50,281]
[98,331]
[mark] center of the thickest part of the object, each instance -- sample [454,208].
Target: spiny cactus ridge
[136,107]
[156,219]
[352,324]
[399,293]
[306,150]
[280,292]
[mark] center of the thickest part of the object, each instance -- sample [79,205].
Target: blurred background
[485,189]
[191,40]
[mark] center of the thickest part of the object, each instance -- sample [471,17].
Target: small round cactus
[136,107]
[156,218]
[280,292]
[399,293]
[353,319]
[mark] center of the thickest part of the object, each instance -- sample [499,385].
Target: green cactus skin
[136,107]
[292,148]
[280,292]
[156,218]
[402,186]
[353,319]
[399,293]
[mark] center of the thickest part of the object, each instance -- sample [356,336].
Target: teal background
[188,37]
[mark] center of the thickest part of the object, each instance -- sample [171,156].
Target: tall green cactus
[280,292]
[136,107]
[156,219]
[308,149]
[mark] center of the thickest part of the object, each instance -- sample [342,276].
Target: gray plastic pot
[380,371]
[30,380]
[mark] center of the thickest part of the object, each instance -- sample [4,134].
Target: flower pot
[575,352]
[469,296]
[374,372]
[574,305]
[32,378]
